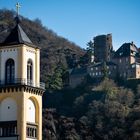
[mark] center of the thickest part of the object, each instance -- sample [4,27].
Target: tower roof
[126,50]
[17,36]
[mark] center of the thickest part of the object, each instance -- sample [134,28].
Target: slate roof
[125,50]
[17,36]
[109,63]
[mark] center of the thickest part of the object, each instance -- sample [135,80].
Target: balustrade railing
[31,131]
[8,129]
[22,81]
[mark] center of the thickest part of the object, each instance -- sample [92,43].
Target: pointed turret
[17,36]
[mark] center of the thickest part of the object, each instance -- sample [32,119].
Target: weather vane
[17,8]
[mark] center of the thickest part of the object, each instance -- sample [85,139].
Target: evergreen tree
[90,51]
[55,81]
[105,70]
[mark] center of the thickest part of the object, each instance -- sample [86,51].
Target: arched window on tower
[31,129]
[8,118]
[29,72]
[10,71]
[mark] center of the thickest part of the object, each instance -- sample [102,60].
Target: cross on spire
[17,8]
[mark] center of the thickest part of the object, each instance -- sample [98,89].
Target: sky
[81,20]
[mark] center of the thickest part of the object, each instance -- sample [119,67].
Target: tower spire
[17,8]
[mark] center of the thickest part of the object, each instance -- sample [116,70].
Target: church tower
[20,88]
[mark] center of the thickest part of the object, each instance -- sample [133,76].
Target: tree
[105,70]
[90,51]
[108,87]
[38,21]
[55,81]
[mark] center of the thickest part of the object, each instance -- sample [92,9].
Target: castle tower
[20,88]
[103,47]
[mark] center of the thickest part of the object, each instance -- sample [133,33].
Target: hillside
[54,49]
[102,112]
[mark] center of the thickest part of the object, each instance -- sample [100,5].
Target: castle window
[124,74]
[137,66]
[10,71]
[121,53]
[133,66]
[29,72]
[120,61]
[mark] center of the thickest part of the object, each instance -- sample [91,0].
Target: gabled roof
[125,50]
[17,36]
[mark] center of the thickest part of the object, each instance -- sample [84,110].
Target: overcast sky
[81,20]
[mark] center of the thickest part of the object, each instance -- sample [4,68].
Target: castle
[123,63]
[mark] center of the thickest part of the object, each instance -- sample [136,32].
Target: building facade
[127,59]
[97,70]
[134,71]
[20,88]
[77,76]
[123,63]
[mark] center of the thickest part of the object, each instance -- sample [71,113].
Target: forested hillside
[89,112]
[54,49]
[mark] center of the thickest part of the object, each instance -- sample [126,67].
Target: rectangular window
[121,53]
[137,66]
[120,61]
[133,66]
[124,74]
